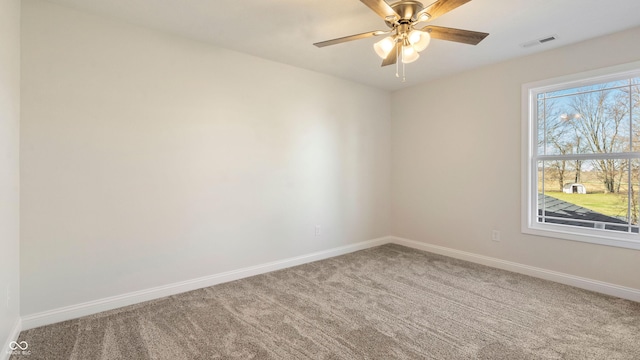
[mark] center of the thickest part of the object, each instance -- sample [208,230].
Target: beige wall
[456,167]
[9,171]
[149,159]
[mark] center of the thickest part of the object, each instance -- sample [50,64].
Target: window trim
[529,147]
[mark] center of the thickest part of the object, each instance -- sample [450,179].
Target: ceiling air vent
[543,40]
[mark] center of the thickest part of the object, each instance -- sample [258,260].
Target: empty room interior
[340,179]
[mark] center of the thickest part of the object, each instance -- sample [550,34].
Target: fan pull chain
[404,78]
[399,54]
[397,58]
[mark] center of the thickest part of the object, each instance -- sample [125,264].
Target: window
[581,157]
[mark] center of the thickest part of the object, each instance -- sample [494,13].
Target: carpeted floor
[388,302]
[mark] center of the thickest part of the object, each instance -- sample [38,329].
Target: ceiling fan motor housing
[407,10]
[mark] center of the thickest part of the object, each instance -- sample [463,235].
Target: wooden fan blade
[392,58]
[350,38]
[381,8]
[457,35]
[444,6]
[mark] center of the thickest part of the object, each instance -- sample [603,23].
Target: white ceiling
[284,30]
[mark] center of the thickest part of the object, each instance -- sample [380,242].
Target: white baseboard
[5,351]
[93,307]
[567,279]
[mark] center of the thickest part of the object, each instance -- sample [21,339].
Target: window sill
[592,236]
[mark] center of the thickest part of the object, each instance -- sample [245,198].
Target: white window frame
[529,174]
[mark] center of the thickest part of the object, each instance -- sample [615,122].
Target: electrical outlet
[495,235]
[317,231]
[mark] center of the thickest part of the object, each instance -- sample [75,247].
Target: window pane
[597,122]
[541,126]
[635,106]
[600,194]
[634,195]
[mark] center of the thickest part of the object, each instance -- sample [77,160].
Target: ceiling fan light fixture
[407,39]
[419,39]
[384,47]
[409,54]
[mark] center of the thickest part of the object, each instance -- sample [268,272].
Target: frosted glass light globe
[419,39]
[384,47]
[409,54]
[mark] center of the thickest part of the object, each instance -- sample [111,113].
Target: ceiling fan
[406,40]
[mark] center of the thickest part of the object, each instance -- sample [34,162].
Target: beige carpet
[388,302]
